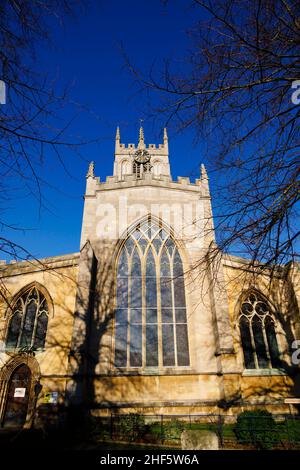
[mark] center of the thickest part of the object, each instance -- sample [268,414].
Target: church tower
[140,159]
[142,177]
[143,235]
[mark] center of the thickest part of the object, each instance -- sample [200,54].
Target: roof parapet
[162,148]
[183,180]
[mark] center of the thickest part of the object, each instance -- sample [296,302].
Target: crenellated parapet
[94,185]
[125,149]
[152,148]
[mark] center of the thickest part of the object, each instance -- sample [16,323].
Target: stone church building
[139,320]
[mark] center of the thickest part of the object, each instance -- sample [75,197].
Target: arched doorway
[17,398]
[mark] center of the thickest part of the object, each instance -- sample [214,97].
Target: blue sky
[86,56]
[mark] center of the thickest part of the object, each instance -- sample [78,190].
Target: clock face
[142,156]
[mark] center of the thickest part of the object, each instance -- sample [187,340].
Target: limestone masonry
[138,321]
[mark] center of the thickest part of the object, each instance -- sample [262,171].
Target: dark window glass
[150,265]
[170,246]
[179,294]
[272,343]
[260,346]
[177,265]
[166,292]
[121,346]
[41,329]
[28,325]
[122,292]
[136,315]
[136,292]
[246,343]
[151,315]
[261,308]
[182,345]
[157,244]
[136,265]
[165,265]
[14,330]
[143,243]
[121,315]
[135,345]
[168,345]
[151,292]
[123,265]
[180,315]
[151,288]
[130,245]
[166,315]
[151,346]
[247,308]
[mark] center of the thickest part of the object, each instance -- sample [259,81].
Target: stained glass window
[28,321]
[258,336]
[122,312]
[151,322]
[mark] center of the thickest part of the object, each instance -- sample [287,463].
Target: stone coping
[237,262]
[43,264]
[263,372]
[130,181]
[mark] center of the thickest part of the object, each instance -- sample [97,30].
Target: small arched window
[151,322]
[125,168]
[258,335]
[156,168]
[28,321]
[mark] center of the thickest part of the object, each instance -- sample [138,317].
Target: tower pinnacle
[166,144]
[91,170]
[165,135]
[118,134]
[203,172]
[118,139]
[141,138]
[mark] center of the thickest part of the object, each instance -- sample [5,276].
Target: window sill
[16,351]
[179,370]
[263,372]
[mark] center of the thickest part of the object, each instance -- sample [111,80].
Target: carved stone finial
[118,140]
[141,138]
[91,170]
[118,137]
[203,172]
[165,135]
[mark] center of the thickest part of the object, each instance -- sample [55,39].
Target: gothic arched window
[151,322]
[258,335]
[28,321]
[157,168]
[125,168]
